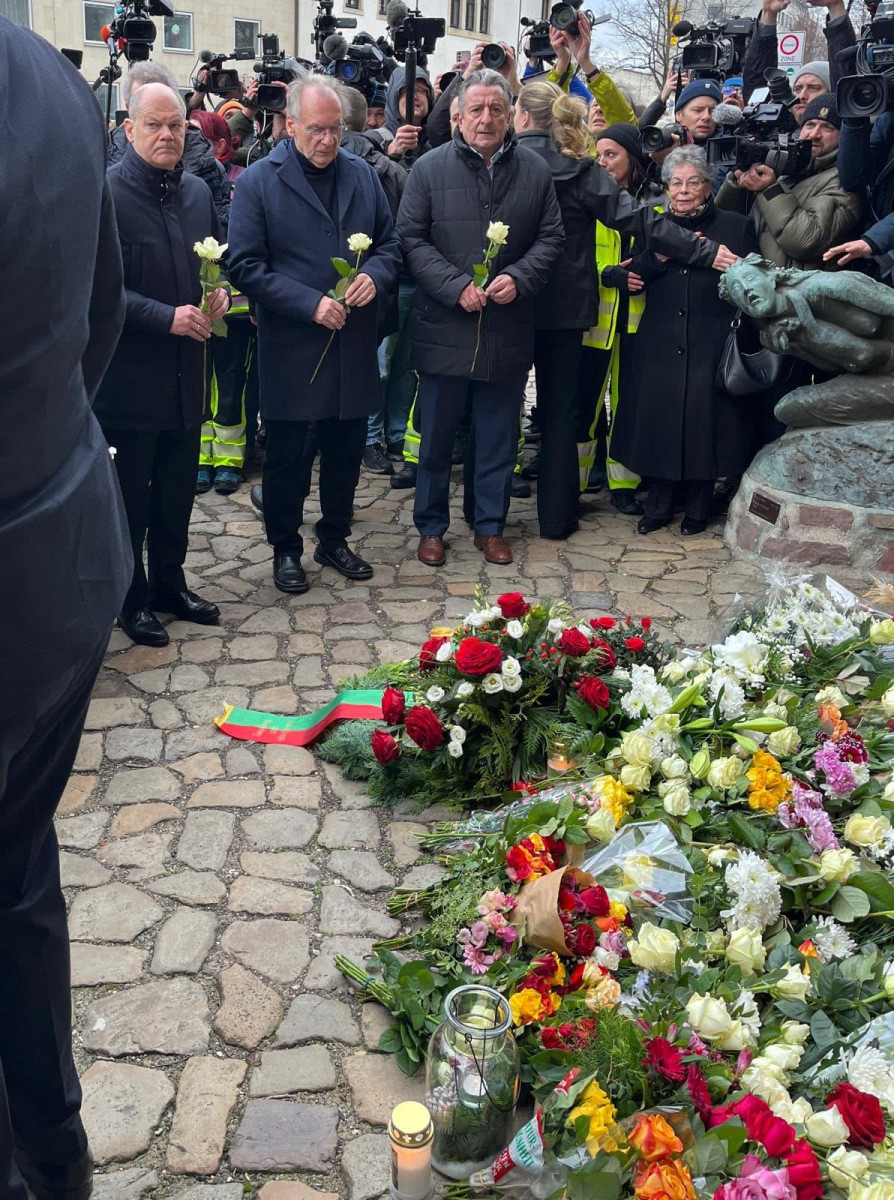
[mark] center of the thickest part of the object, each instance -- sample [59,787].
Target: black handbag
[744,373]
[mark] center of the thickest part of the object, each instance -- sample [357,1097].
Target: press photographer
[216,80]
[606,104]
[259,122]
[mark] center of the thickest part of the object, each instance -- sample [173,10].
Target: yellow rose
[601,825]
[497,232]
[358,242]
[837,866]
[826,1128]
[888,702]
[794,984]
[784,742]
[718,855]
[881,633]
[527,1006]
[881,1189]
[708,1017]
[866,831]
[724,772]
[779,711]
[636,749]
[636,778]
[746,948]
[654,949]
[845,1166]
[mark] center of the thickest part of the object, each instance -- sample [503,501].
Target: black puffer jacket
[198,159]
[450,199]
[588,194]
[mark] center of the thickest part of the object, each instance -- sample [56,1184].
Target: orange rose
[654,1138]
[665,1180]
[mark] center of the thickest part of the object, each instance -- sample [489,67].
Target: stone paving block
[317,1018]
[89,756]
[282,1072]
[189,678]
[184,942]
[288,865]
[360,868]
[213,1191]
[323,975]
[166,1017]
[280,950]
[199,767]
[78,870]
[341,913]
[104,714]
[92,964]
[152,682]
[349,830]
[190,887]
[200,708]
[284,1189]
[227,793]
[207,650]
[296,791]
[281,699]
[206,838]
[140,784]
[350,792]
[366,1163]
[374,1021]
[116,912]
[77,792]
[377,1084]
[282,830]
[241,762]
[267,897]
[270,620]
[261,646]
[249,1011]
[308,672]
[279,1135]
[122,1106]
[137,818]
[130,1184]
[288,760]
[81,832]
[184,742]
[148,851]
[404,838]
[164,714]
[207,1091]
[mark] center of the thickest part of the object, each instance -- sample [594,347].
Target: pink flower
[495,921]
[477,961]
[495,901]
[757,1182]
[507,934]
[480,932]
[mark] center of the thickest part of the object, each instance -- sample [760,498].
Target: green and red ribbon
[252,726]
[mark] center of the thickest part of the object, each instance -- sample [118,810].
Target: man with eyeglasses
[292,213]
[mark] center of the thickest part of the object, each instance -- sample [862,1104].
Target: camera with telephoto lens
[493,56]
[764,135]
[564,17]
[133,29]
[656,138]
[871,90]
[325,24]
[713,51]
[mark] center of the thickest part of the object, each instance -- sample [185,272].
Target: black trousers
[40,1096]
[440,404]
[557,363]
[697,494]
[157,474]
[286,479]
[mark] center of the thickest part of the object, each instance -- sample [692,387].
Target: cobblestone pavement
[210,882]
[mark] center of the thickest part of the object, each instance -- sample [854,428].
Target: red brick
[825,518]
[881,520]
[886,562]
[809,553]
[747,533]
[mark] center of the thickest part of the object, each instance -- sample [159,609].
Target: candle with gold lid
[410,1132]
[441,631]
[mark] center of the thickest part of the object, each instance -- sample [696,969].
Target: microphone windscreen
[396,13]
[728,114]
[205,56]
[105,33]
[335,46]
[682,29]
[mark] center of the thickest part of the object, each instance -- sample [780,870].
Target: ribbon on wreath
[253,726]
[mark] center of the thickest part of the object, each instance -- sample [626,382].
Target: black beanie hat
[822,108]
[628,137]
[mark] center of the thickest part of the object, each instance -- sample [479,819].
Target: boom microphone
[728,115]
[682,29]
[396,13]
[335,46]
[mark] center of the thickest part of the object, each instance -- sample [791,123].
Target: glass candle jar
[410,1131]
[471,1080]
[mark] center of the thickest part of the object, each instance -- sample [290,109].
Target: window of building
[470,16]
[178,32]
[484,16]
[17,11]
[95,16]
[354,5]
[469,22]
[545,9]
[247,35]
[383,7]
[116,99]
[455,14]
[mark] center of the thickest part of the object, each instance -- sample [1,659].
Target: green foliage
[348,746]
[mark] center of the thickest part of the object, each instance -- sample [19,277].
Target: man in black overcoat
[292,213]
[66,562]
[151,400]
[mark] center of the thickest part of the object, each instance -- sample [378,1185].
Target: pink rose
[757,1182]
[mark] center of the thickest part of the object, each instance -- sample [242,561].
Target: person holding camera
[798,217]
[441,123]
[317,354]
[258,131]
[606,103]
[408,140]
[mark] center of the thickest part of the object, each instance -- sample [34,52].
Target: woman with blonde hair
[552,124]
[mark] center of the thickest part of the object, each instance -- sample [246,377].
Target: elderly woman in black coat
[679,430]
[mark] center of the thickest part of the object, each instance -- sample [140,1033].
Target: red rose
[550,1038]
[803,1171]
[513,604]
[474,657]
[592,691]
[554,846]
[385,746]
[861,1113]
[606,659]
[573,643]
[575,981]
[427,660]
[518,862]
[424,728]
[603,622]
[393,705]
[776,1135]
[595,901]
[664,1059]
[646,622]
[584,940]
[634,644]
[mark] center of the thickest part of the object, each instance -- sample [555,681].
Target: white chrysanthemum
[832,940]
[515,629]
[465,690]
[492,684]
[455,749]
[512,683]
[444,652]
[870,1071]
[510,666]
[758,900]
[434,694]
[646,697]
[457,734]
[743,655]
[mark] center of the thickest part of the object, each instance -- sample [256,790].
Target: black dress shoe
[376,460]
[521,489]
[143,627]
[188,607]
[689,527]
[650,524]
[288,574]
[531,469]
[625,501]
[74,1181]
[257,498]
[345,561]
[405,477]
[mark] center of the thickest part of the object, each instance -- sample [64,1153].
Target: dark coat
[449,201]
[392,176]
[155,378]
[393,119]
[588,194]
[198,159]
[866,165]
[675,424]
[63,536]
[282,242]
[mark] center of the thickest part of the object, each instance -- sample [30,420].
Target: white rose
[708,1017]
[888,980]
[511,666]
[654,949]
[866,831]
[888,702]
[827,1128]
[210,249]
[457,734]
[795,1112]
[515,629]
[666,723]
[746,949]
[795,1034]
[831,695]
[737,1038]
[434,694]
[674,767]
[837,866]
[601,825]
[444,652]
[724,772]
[673,672]
[607,958]
[714,941]
[465,690]
[359,242]
[636,778]
[637,749]
[554,625]
[779,711]
[881,633]
[492,684]
[846,1166]
[784,742]
[794,984]
[760,1073]
[677,801]
[512,683]
[497,232]
[786,1057]
[454,749]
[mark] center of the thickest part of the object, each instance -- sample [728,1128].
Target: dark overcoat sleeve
[106,300]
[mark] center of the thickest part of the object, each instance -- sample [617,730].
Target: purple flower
[480,932]
[840,779]
[805,811]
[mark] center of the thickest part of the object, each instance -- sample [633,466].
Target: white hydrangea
[758,900]
[832,940]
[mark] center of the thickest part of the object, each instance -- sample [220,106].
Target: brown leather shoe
[495,549]
[431,551]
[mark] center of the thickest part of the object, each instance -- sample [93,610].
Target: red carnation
[607,660]
[603,622]
[584,940]
[665,1059]
[573,643]
[595,901]
[592,691]
[551,1039]
[427,660]
[513,604]
[861,1113]
[474,657]
[634,644]
[646,622]
[385,746]
[424,727]
[803,1171]
[393,705]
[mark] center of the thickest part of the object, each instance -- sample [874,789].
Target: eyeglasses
[319,132]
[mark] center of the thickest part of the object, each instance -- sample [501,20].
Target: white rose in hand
[497,232]
[359,242]
[210,249]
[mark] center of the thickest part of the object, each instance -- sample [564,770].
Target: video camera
[221,81]
[131,29]
[411,32]
[362,64]
[270,72]
[538,40]
[871,90]
[715,50]
[325,25]
[762,134]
